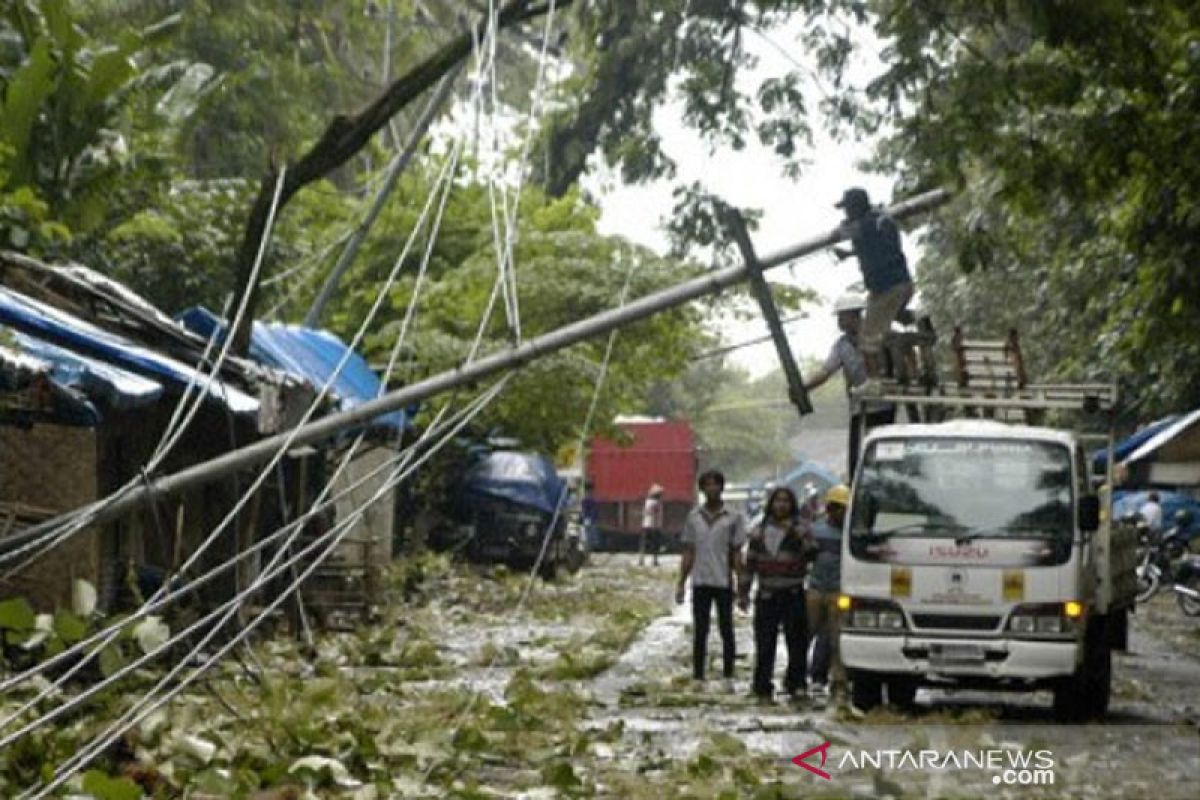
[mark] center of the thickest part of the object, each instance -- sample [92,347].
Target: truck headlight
[1041,619]
[871,614]
[864,618]
[532,530]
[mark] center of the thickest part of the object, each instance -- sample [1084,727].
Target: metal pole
[512,358]
[766,303]
[313,317]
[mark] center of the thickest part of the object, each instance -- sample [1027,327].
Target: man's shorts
[882,308]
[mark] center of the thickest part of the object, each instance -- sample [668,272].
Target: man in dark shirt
[876,241]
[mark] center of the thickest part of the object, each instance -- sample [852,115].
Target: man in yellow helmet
[824,582]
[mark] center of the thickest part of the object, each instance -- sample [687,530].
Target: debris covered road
[585,691]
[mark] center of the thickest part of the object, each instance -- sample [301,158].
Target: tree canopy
[1067,129]
[136,133]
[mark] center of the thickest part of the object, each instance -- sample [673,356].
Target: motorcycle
[1165,563]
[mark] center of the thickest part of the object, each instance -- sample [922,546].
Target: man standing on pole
[712,539]
[876,241]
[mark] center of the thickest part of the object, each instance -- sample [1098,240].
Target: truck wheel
[866,690]
[549,569]
[902,692]
[1085,694]
[1118,630]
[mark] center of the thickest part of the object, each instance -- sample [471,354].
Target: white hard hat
[849,301]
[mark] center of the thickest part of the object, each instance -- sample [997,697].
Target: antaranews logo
[1010,766]
[823,749]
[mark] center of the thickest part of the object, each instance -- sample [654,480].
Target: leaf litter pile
[453,692]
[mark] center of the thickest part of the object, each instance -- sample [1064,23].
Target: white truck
[976,555]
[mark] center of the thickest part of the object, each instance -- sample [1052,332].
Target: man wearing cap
[876,241]
[652,524]
[824,583]
[846,356]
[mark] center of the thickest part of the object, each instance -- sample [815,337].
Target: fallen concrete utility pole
[513,358]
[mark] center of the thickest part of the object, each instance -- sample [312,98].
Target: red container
[662,452]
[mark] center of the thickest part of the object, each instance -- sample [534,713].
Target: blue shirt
[826,573]
[877,244]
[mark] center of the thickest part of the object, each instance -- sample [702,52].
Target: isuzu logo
[974,552]
[957,578]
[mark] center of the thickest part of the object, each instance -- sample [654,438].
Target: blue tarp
[525,478]
[821,477]
[20,372]
[88,344]
[309,354]
[1126,503]
[109,386]
[1126,447]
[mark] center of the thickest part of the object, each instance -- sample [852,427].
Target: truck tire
[902,692]
[549,568]
[1118,630]
[1085,695]
[866,689]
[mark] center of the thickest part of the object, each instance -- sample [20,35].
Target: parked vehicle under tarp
[507,503]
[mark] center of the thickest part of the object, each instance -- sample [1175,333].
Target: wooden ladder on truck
[996,368]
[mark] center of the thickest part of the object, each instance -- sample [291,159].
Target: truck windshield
[963,488]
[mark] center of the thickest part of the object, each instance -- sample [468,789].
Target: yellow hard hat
[839,494]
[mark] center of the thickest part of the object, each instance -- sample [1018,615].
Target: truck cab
[975,556]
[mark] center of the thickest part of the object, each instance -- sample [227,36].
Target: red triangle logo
[823,749]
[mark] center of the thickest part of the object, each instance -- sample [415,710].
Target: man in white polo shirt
[712,541]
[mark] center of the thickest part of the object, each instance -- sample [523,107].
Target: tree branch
[346,136]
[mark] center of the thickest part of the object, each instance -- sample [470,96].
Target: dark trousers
[874,419]
[703,599]
[651,542]
[786,610]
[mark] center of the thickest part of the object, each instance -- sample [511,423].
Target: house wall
[369,541]
[52,467]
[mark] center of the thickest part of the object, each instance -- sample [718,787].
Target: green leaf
[110,660]
[561,775]
[69,627]
[470,739]
[28,88]
[102,787]
[17,615]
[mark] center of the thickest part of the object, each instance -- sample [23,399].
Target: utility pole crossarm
[766,303]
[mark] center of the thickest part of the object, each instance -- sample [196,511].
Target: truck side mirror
[1089,513]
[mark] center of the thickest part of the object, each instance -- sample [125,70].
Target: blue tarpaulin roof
[525,478]
[1126,447]
[85,388]
[105,356]
[307,353]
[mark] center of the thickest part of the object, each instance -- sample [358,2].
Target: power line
[152,701]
